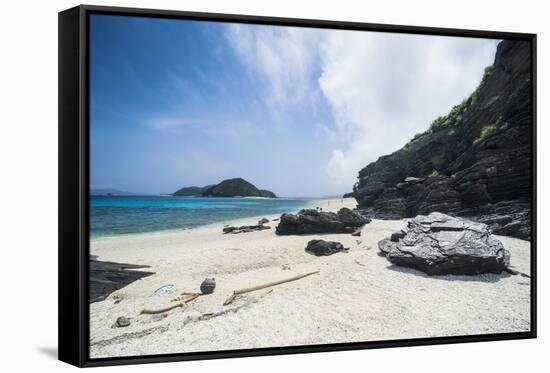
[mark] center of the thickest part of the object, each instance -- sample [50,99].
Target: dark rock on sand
[439,244]
[122,322]
[311,221]
[263,221]
[208,286]
[324,248]
[245,229]
[474,163]
[107,277]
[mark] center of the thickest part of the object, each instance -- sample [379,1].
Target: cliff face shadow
[484,277]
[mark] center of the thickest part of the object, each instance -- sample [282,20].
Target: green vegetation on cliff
[456,116]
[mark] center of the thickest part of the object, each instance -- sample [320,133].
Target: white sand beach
[357,296]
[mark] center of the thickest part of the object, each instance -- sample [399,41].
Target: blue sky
[298,111]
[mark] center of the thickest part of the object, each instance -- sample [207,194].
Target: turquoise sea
[115,215]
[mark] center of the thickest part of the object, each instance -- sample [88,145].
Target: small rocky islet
[236,187]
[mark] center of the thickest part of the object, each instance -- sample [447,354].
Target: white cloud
[382,88]
[283,57]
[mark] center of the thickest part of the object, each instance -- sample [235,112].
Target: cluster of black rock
[310,221]
[439,244]
[474,163]
[245,228]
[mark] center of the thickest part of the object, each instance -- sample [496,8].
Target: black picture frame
[74,185]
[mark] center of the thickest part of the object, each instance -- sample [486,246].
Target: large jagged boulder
[439,244]
[310,221]
[474,162]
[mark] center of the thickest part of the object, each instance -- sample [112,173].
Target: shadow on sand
[484,277]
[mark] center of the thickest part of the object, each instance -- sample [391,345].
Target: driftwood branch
[162,310]
[187,297]
[263,286]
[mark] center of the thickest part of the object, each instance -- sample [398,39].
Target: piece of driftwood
[186,297]
[162,310]
[263,286]
[107,277]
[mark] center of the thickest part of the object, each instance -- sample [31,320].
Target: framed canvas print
[235,185]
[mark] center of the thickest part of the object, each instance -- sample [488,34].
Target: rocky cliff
[474,162]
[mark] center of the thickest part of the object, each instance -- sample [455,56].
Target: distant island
[237,187]
[192,191]
[109,192]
